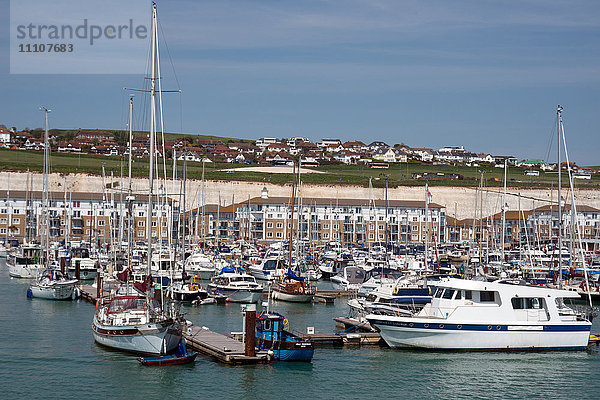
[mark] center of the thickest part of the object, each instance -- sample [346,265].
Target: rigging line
[551,142]
[169,54]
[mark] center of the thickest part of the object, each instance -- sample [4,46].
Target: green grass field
[397,174]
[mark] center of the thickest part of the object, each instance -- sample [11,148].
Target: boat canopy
[291,275]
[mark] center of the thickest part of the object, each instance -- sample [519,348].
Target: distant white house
[347,156]
[4,135]
[264,142]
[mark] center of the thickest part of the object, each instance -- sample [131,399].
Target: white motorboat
[52,285]
[349,278]
[200,265]
[26,262]
[88,266]
[268,269]
[478,315]
[239,287]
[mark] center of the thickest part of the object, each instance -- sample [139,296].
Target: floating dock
[221,347]
[341,339]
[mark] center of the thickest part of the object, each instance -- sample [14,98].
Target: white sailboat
[49,284]
[140,324]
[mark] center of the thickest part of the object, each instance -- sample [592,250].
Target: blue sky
[484,74]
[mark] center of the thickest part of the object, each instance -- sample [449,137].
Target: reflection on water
[51,353]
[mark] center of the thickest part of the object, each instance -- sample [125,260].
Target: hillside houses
[265,150]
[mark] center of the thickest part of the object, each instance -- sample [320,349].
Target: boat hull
[24,271]
[294,355]
[84,274]
[174,359]
[295,298]
[148,339]
[53,292]
[399,332]
[237,295]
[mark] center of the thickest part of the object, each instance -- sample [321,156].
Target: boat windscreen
[118,305]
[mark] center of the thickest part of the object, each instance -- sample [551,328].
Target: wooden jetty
[341,339]
[221,347]
[88,293]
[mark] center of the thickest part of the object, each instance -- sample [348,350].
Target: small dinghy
[181,357]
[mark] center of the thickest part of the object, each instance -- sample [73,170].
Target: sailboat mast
[559,202]
[503,218]
[426,223]
[152,129]
[46,186]
[292,214]
[130,138]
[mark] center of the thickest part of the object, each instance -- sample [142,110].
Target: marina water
[47,352]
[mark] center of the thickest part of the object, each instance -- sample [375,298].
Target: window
[3,231]
[269,234]
[448,294]
[279,234]
[371,236]
[153,224]
[468,295]
[280,225]
[100,222]
[269,224]
[458,295]
[486,297]
[325,226]
[438,293]
[16,220]
[140,233]
[326,236]
[527,303]
[3,221]
[140,223]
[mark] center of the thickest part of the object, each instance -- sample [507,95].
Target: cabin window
[438,293]
[458,295]
[448,294]
[527,303]
[468,295]
[486,297]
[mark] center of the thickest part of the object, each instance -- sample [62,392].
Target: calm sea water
[47,352]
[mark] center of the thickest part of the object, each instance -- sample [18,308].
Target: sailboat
[289,286]
[140,324]
[49,283]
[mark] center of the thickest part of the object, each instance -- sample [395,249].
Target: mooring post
[250,324]
[98,285]
[78,269]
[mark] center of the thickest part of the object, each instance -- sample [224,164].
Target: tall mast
[152,129]
[292,214]
[503,217]
[130,138]
[559,202]
[426,222]
[46,242]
